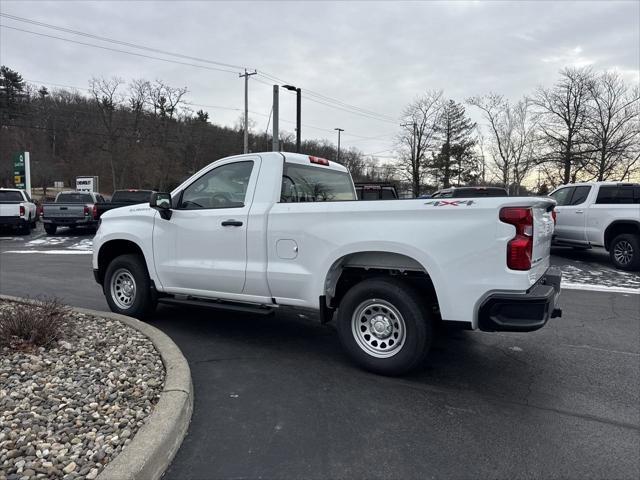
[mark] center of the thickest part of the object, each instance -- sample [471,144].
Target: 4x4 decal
[453,203]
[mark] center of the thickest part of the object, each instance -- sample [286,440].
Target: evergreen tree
[455,160]
[12,89]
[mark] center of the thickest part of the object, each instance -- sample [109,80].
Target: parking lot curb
[155,444]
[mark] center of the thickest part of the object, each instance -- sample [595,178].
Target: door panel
[203,246]
[572,216]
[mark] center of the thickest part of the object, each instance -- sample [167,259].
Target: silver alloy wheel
[123,288]
[378,328]
[623,252]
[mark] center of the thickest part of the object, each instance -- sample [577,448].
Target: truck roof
[614,184]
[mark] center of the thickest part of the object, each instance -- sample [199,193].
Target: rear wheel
[50,228]
[127,287]
[25,229]
[384,327]
[625,251]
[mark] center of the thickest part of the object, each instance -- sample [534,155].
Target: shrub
[32,323]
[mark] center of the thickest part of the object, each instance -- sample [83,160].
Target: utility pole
[276,114]
[339,130]
[246,76]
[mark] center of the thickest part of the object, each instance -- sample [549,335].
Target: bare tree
[563,116]
[512,137]
[420,120]
[107,97]
[612,128]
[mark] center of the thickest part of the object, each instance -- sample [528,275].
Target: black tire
[624,252]
[50,228]
[418,326]
[143,303]
[25,228]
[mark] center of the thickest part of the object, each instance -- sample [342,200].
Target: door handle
[231,223]
[579,211]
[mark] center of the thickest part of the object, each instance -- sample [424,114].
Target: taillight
[86,210]
[94,212]
[554,215]
[520,248]
[22,211]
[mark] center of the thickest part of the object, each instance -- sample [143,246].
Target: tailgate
[9,209]
[62,210]
[542,232]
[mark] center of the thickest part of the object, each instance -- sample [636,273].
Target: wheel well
[352,269]
[113,249]
[618,228]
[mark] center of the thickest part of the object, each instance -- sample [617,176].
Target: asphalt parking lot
[276,398]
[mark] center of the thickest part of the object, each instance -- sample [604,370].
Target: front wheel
[127,287]
[384,327]
[625,251]
[50,228]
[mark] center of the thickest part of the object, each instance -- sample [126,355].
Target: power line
[119,42]
[117,50]
[320,98]
[333,100]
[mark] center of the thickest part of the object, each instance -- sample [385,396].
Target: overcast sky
[374,55]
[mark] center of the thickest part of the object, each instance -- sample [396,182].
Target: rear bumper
[12,221]
[63,222]
[522,312]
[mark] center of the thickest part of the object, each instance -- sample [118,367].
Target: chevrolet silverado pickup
[71,209]
[264,231]
[17,210]
[600,214]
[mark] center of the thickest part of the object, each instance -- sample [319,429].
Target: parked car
[470,192]
[123,198]
[376,191]
[601,214]
[17,210]
[264,231]
[71,209]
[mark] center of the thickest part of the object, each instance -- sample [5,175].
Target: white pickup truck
[601,214]
[263,231]
[17,210]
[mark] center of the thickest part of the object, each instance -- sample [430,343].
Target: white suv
[603,214]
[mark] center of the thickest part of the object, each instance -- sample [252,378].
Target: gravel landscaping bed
[68,408]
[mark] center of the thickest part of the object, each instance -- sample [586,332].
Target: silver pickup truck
[71,209]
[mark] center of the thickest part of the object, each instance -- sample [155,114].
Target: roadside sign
[22,171]
[87,184]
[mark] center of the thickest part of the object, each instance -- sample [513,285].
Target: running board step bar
[233,307]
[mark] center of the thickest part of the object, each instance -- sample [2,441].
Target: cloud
[376,55]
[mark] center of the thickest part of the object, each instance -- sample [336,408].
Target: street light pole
[339,130]
[298,113]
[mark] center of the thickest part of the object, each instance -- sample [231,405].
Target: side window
[616,195]
[28,197]
[580,195]
[99,199]
[562,196]
[222,187]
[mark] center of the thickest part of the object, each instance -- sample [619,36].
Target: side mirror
[161,201]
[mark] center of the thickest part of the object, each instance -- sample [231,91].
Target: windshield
[10,196]
[74,197]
